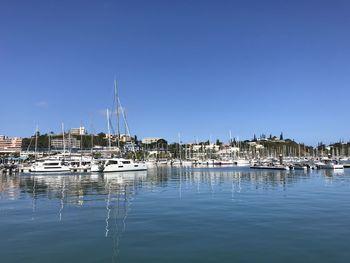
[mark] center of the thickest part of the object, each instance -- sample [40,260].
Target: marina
[174,131]
[151,215]
[65,164]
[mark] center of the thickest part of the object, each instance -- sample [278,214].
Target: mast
[126,126]
[116,94]
[180,148]
[70,142]
[210,150]
[49,146]
[109,131]
[36,141]
[81,144]
[231,146]
[92,143]
[64,142]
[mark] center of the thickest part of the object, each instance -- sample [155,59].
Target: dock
[8,169]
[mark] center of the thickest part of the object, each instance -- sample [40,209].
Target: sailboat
[119,164]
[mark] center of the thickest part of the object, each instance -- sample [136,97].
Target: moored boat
[327,163]
[271,167]
[49,166]
[122,165]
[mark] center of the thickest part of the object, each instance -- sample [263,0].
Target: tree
[233,142]
[281,136]
[97,155]
[218,142]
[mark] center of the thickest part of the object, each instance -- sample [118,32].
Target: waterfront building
[129,146]
[69,143]
[111,137]
[10,145]
[125,138]
[78,131]
[151,140]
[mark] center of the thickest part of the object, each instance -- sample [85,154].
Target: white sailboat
[118,164]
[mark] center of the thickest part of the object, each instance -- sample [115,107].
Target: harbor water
[170,214]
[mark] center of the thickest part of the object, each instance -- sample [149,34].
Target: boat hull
[43,170]
[127,168]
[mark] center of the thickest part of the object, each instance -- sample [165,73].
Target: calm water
[176,215]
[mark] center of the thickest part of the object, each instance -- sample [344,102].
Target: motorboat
[122,165]
[270,166]
[327,163]
[97,165]
[241,162]
[49,166]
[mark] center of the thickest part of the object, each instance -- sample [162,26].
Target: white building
[8,144]
[150,140]
[78,131]
[125,138]
[69,143]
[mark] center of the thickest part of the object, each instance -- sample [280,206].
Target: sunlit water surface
[176,215]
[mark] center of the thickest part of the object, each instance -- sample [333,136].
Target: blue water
[176,215]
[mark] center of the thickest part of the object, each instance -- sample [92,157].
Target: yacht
[151,162]
[300,166]
[49,166]
[76,163]
[241,162]
[333,166]
[122,165]
[327,163]
[345,162]
[187,163]
[97,165]
[178,162]
[271,167]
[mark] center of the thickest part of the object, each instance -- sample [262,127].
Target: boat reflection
[125,177]
[331,172]
[76,189]
[113,194]
[120,187]
[9,187]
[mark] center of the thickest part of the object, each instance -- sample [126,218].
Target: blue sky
[198,68]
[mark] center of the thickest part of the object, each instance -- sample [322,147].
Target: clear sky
[198,68]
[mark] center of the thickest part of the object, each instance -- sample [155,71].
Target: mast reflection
[76,189]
